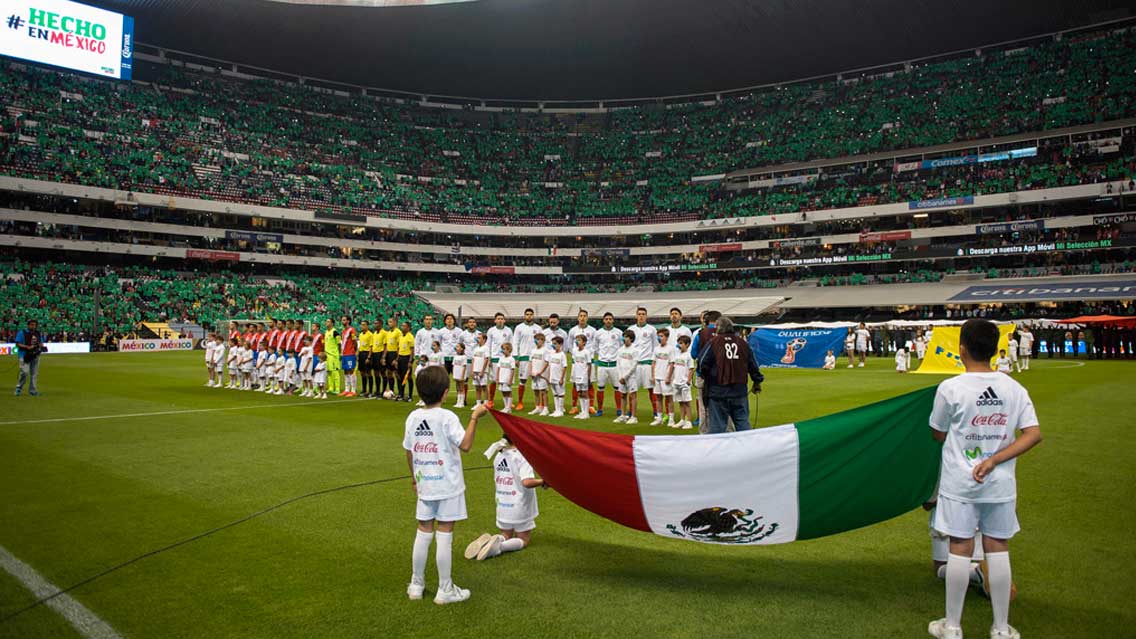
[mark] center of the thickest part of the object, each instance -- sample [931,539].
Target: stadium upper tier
[181,131]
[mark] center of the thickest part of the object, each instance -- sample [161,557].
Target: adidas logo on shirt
[988,398]
[504,465]
[423,430]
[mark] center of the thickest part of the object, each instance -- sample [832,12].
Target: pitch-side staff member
[724,365]
[29,345]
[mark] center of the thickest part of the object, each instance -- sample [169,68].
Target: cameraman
[29,345]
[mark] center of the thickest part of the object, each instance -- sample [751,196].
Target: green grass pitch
[78,496]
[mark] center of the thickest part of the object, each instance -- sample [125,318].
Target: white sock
[559,404]
[512,545]
[998,569]
[421,551]
[958,578]
[443,555]
[584,405]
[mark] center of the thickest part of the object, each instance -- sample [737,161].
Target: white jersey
[495,337]
[683,363]
[449,337]
[480,360]
[679,331]
[320,375]
[557,365]
[862,337]
[469,338]
[506,367]
[289,368]
[1012,348]
[1004,364]
[588,332]
[900,361]
[646,339]
[461,364]
[209,350]
[433,437]
[849,342]
[424,341]
[306,359]
[1025,344]
[539,359]
[523,342]
[626,361]
[549,333]
[435,359]
[829,361]
[581,365]
[664,355]
[608,343]
[980,413]
[515,503]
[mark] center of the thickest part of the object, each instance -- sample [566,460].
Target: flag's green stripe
[866,465]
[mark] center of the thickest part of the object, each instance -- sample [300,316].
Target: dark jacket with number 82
[725,365]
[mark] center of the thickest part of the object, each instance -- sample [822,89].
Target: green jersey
[331,342]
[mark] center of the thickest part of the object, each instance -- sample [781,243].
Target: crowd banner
[154,345]
[795,348]
[804,480]
[943,350]
[53,348]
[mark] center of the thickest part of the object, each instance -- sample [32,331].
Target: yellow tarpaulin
[942,356]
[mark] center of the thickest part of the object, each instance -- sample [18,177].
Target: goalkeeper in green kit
[334,368]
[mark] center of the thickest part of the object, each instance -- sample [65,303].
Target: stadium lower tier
[81,295]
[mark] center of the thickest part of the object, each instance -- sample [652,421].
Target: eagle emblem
[718,524]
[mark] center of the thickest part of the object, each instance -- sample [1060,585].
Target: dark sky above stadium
[590,49]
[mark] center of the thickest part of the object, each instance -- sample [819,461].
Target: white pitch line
[174,412]
[79,616]
[1067,365]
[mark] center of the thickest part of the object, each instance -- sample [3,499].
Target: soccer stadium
[567,318]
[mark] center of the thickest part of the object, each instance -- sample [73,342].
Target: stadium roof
[590,49]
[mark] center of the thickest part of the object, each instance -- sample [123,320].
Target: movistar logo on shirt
[972,453]
[988,398]
[423,430]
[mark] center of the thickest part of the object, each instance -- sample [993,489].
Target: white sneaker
[1008,633]
[622,419]
[941,630]
[850,366]
[535,411]
[420,403]
[861,364]
[687,425]
[631,420]
[415,589]
[581,415]
[476,545]
[556,414]
[657,421]
[450,594]
[323,395]
[544,412]
[279,391]
[491,549]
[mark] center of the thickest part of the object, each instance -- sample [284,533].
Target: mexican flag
[773,485]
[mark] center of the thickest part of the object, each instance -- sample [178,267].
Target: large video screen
[68,34]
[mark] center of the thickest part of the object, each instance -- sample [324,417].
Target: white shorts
[219,368]
[504,388]
[1013,354]
[1025,352]
[920,352]
[607,376]
[631,385]
[643,372]
[557,390]
[663,388]
[481,380]
[524,526]
[452,509]
[941,543]
[523,369]
[961,519]
[539,383]
[682,393]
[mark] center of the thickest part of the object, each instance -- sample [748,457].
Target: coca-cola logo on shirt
[425,447]
[993,419]
[504,481]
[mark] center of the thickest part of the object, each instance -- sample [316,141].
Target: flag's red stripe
[596,471]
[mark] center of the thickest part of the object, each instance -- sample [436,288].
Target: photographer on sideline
[725,364]
[29,344]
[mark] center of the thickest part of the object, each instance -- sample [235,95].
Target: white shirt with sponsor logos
[1003,364]
[589,333]
[557,366]
[683,363]
[980,413]
[646,339]
[581,365]
[862,337]
[626,361]
[480,360]
[662,366]
[505,368]
[515,503]
[608,343]
[461,366]
[539,358]
[1025,343]
[495,337]
[433,437]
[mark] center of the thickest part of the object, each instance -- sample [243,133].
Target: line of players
[284,358]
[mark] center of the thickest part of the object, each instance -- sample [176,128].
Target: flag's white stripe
[753,473]
[85,622]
